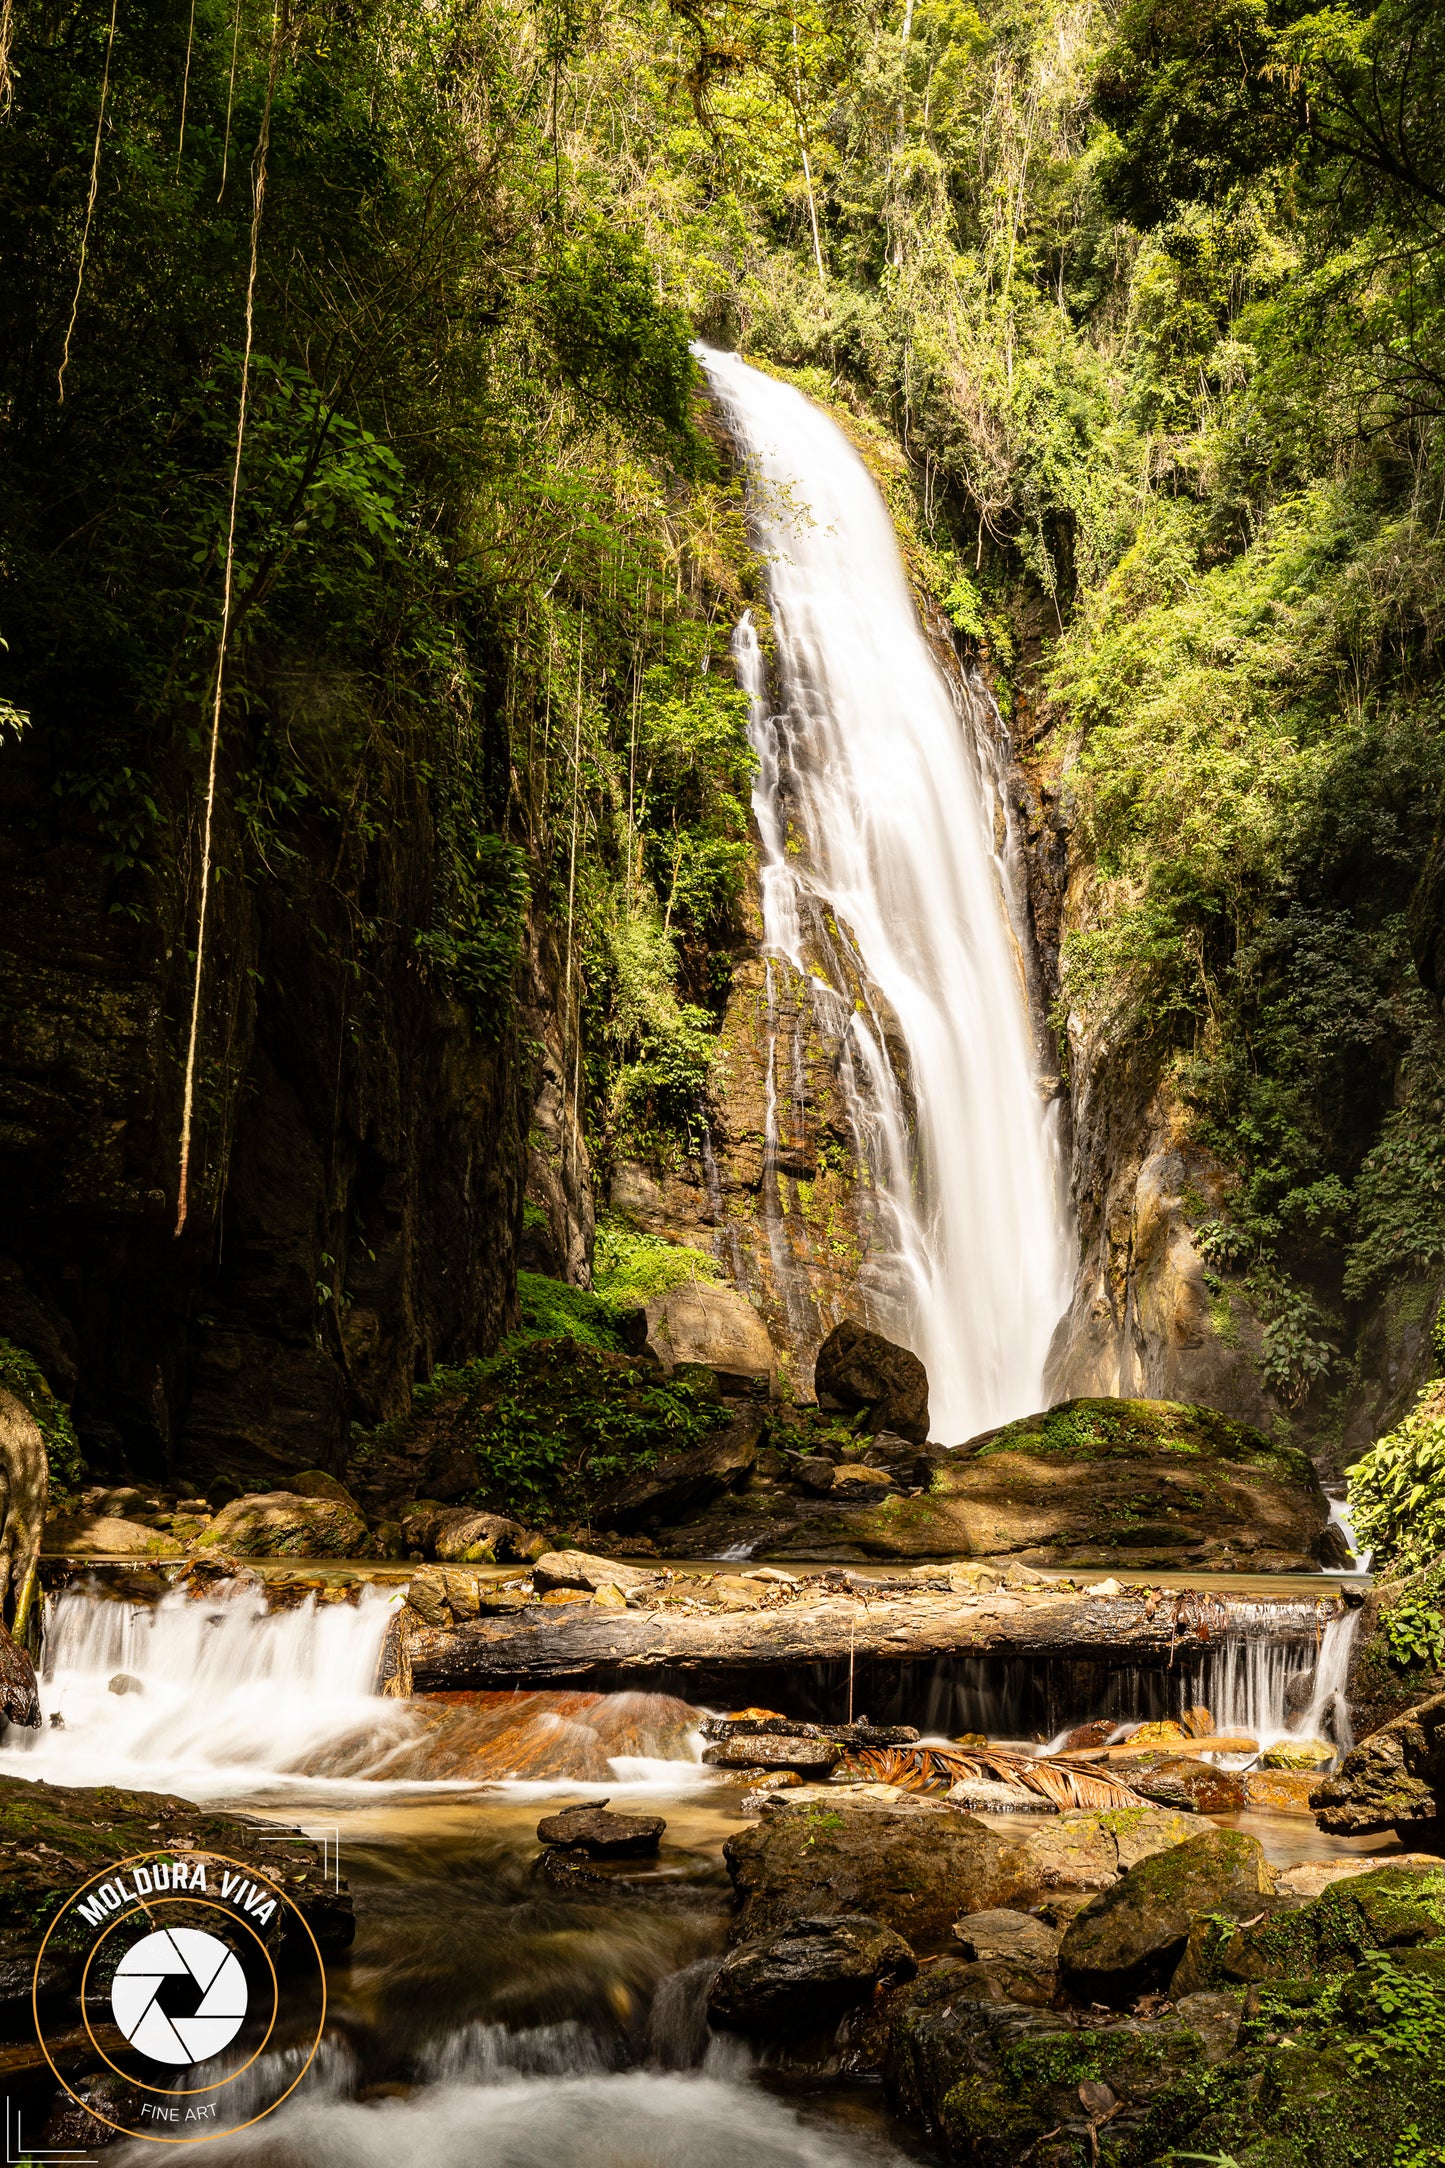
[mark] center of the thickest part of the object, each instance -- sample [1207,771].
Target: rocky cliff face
[359,1147]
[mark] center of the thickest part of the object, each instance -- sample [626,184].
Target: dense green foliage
[555,1423]
[1152,300]
[1397,1492]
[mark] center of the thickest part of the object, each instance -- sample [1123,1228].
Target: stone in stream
[764,1750]
[1298,1754]
[1020,1952]
[856,1368]
[1195,1786]
[1394,1779]
[579,1569]
[19,1700]
[109,1537]
[681,1480]
[913,1866]
[463,1538]
[282,1524]
[602,1834]
[1131,1937]
[807,1974]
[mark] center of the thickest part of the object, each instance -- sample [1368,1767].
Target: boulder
[1298,1754]
[109,1537]
[19,1699]
[1310,1878]
[1388,1908]
[1009,2085]
[464,1538]
[281,1524]
[316,1483]
[910,1465]
[913,1866]
[808,1756]
[1193,1786]
[712,1326]
[579,1569]
[1090,1848]
[680,1480]
[807,1974]
[1021,1953]
[813,1472]
[1395,1779]
[1278,1791]
[855,1483]
[856,1368]
[440,1595]
[1131,1937]
[601,1834]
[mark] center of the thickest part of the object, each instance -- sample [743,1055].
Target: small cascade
[1274,1690]
[210,1696]
[887,899]
[1341,1518]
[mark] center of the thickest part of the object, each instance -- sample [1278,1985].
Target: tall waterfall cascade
[886,886]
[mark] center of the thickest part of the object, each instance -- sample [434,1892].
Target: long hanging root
[90,199]
[258,197]
[24,1497]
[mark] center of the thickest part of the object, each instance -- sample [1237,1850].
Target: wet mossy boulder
[1000,2083]
[1132,1484]
[807,1974]
[1393,1909]
[1130,1939]
[913,1865]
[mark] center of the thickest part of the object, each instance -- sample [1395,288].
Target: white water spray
[878,809]
[210,1698]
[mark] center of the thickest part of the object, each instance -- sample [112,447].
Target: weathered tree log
[545,1645]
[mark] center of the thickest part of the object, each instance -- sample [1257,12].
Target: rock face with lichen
[279,1524]
[1395,1779]
[1128,1484]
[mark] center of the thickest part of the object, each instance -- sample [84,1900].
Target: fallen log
[547,1645]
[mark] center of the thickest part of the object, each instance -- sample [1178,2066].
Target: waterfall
[209,1698]
[885,890]
[1271,1690]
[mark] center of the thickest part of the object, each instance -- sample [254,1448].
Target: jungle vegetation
[1151,296]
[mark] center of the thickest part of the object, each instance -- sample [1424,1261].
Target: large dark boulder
[680,1480]
[19,1700]
[1003,2083]
[913,1866]
[1130,1938]
[808,1974]
[860,1369]
[1395,1779]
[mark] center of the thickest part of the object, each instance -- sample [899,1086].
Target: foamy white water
[876,806]
[1250,1686]
[227,1696]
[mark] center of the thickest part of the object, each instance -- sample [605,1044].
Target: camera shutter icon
[179,1953]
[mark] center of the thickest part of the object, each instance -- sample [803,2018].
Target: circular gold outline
[151,2137]
[183,2092]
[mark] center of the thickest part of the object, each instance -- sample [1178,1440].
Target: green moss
[1143,1429]
[554,1423]
[22,1375]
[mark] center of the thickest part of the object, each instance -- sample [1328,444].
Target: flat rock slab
[807,1974]
[602,1834]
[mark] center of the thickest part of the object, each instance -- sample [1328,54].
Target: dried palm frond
[934,1768]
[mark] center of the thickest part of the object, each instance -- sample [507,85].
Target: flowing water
[487,2016]
[886,889]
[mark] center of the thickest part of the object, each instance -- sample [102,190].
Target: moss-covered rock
[1131,1937]
[1132,1484]
[914,1866]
